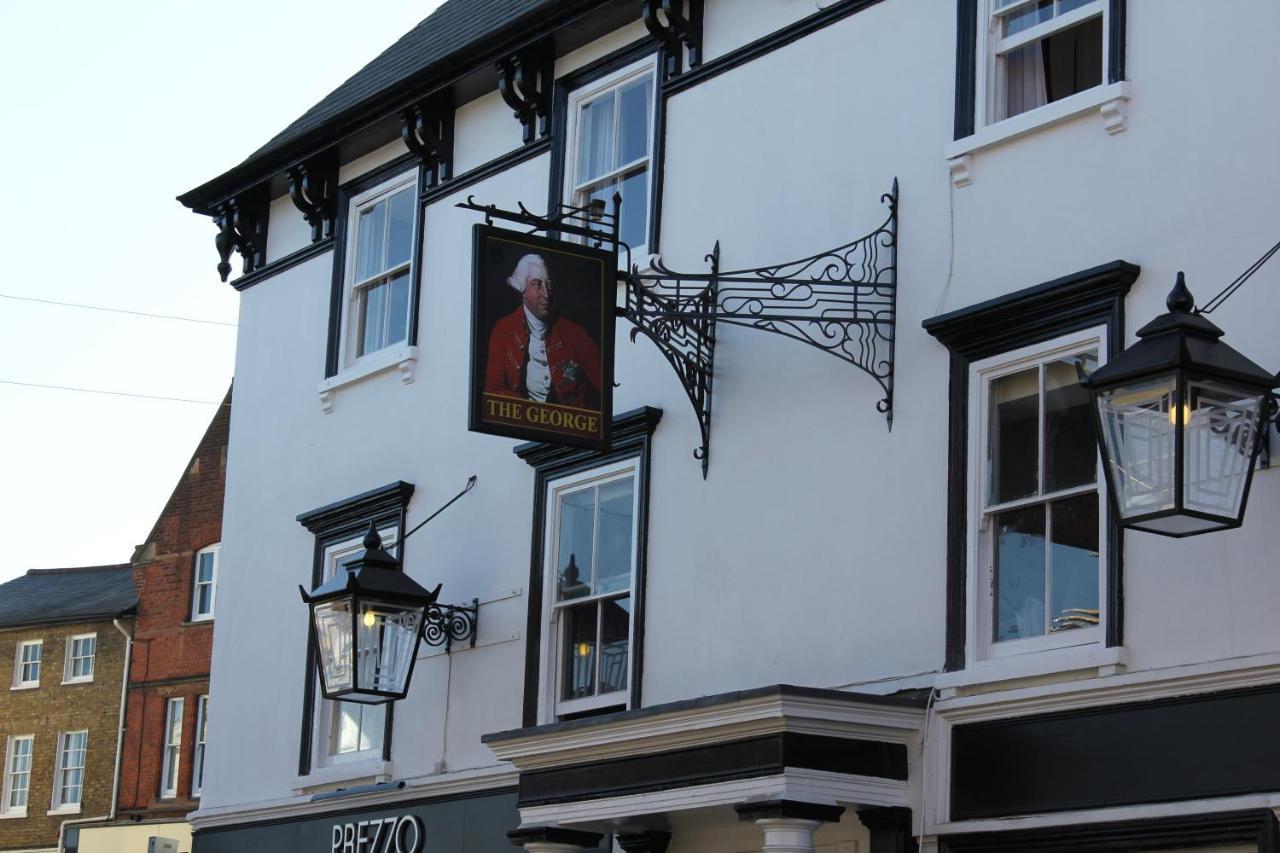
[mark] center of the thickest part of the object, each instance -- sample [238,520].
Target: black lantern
[366,622]
[1180,419]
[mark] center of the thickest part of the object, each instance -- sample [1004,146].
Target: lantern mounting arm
[448,623]
[842,301]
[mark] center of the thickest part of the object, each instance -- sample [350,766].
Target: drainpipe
[115,777]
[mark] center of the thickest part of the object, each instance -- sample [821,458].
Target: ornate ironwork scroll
[842,301]
[447,623]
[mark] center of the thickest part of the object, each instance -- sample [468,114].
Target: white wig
[524,270]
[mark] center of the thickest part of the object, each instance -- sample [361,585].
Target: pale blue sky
[109,111]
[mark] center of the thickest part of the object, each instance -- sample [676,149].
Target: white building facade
[840,635]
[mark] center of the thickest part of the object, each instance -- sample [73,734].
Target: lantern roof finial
[1180,298]
[372,541]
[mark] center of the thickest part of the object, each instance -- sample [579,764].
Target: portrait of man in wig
[538,354]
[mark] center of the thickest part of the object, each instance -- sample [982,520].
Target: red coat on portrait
[572,356]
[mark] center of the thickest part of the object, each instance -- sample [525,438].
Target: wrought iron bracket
[313,188]
[677,26]
[525,82]
[242,227]
[447,624]
[842,301]
[427,130]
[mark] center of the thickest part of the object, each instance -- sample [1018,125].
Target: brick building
[176,571]
[63,652]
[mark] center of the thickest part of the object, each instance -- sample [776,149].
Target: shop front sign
[394,834]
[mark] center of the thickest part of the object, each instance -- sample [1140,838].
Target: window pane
[373,317]
[1065,6]
[400,229]
[576,536]
[398,311]
[1073,59]
[615,635]
[595,138]
[204,600]
[613,563]
[633,121]
[346,727]
[1070,448]
[635,207]
[580,652]
[1074,562]
[1019,573]
[369,246]
[1028,17]
[1221,428]
[205,570]
[1012,446]
[373,719]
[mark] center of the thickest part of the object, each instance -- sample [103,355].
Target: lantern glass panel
[386,641]
[1220,437]
[1139,428]
[332,621]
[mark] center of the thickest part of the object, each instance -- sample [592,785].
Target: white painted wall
[815,552]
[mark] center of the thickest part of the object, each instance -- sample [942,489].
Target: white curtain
[1025,86]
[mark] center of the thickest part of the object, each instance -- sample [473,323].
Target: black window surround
[586,75]
[399,166]
[333,523]
[1092,297]
[632,439]
[967,58]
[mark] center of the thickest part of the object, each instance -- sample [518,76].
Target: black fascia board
[469,71]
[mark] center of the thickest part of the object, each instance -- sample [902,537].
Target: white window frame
[169,774]
[61,767]
[553,627]
[196,615]
[348,339]
[990,89]
[10,771]
[980,584]
[19,683]
[322,744]
[197,753]
[589,92]
[68,665]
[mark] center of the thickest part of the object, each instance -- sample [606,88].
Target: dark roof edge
[70,569]
[517,33]
[79,619]
[909,699]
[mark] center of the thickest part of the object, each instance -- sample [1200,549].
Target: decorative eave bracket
[677,26]
[427,130]
[313,187]
[242,227]
[842,301]
[525,82]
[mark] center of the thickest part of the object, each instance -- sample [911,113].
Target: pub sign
[542,322]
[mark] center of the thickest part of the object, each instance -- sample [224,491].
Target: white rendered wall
[815,552]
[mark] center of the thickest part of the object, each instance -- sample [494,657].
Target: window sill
[88,680]
[206,620]
[368,770]
[1108,100]
[1035,664]
[25,686]
[60,810]
[402,357]
[13,815]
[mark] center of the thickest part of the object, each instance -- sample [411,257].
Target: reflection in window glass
[1014,418]
[383,247]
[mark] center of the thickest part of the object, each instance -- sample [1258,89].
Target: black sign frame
[532,420]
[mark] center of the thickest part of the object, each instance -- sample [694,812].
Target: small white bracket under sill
[1111,101]
[403,358]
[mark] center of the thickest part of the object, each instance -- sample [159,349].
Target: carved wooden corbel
[525,82]
[427,130]
[678,29]
[242,226]
[313,186]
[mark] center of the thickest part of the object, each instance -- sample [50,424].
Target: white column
[787,834]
